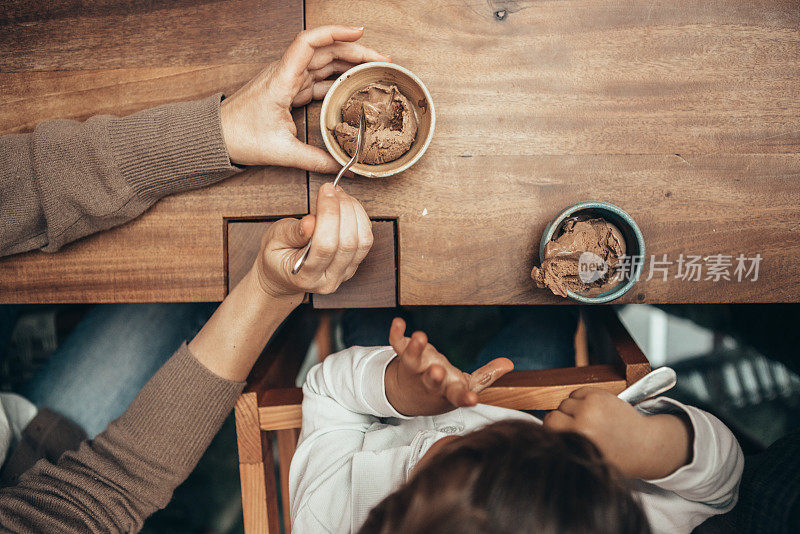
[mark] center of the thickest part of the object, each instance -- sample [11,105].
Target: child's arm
[675,447]
[347,388]
[342,398]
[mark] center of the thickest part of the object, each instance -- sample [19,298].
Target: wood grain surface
[248,437]
[251,462]
[546,388]
[69,59]
[277,367]
[254,497]
[33,97]
[595,76]
[375,283]
[684,114]
[174,252]
[113,34]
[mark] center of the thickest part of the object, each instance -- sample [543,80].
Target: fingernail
[339,188]
[327,190]
[359,28]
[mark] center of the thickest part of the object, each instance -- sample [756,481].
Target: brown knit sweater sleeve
[68,179]
[114,482]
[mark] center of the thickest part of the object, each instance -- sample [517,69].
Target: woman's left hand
[257,120]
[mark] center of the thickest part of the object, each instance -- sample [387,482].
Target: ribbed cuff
[180,409]
[171,148]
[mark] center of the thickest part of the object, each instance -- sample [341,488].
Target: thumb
[489,373]
[294,233]
[309,158]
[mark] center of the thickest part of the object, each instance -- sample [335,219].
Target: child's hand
[420,380]
[646,447]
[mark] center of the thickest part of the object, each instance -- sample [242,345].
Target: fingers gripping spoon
[362,125]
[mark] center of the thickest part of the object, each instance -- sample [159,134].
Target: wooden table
[685,114]
[63,59]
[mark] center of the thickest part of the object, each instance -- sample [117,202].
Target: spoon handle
[302,259]
[362,126]
[652,384]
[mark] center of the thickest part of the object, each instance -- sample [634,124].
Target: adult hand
[421,381]
[342,237]
[257,121]
[640,446]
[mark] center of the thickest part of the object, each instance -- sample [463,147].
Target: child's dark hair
[512,477]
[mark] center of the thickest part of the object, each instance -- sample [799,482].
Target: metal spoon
[362,125]
[652,384]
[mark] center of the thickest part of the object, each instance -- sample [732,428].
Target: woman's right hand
[342,238]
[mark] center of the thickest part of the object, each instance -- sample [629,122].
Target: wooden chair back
[268,419]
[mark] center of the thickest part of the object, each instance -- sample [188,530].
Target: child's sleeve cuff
[713,474]
[373,380]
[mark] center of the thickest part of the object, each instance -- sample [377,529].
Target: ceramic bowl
[357,78]
[634,243]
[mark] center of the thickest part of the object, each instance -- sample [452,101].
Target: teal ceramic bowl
[634,243]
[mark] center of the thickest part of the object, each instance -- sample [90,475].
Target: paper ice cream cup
[385,73]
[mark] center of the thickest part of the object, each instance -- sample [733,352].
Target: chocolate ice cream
[391,124]
[583,258]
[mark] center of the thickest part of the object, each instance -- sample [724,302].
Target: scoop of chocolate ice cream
[584,258]
[391,124]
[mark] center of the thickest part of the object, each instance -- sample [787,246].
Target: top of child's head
[512,477]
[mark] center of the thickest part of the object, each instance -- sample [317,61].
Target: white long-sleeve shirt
[355,449]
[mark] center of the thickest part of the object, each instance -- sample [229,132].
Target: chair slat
[281,417]
[287,444]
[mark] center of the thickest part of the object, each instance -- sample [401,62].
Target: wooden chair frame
[269,418]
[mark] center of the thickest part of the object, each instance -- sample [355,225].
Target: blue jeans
[98,370]
[533,337]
